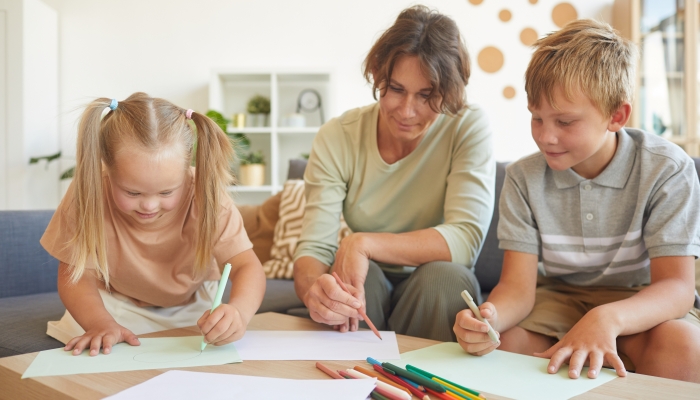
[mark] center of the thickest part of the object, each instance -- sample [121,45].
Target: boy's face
[577,135]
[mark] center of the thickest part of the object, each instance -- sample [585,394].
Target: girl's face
[146,186]
[404,111]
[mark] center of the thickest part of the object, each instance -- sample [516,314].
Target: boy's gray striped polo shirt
[603,231]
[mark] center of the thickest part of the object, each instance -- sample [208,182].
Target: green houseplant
[252,169]
[259,109]
[241,143]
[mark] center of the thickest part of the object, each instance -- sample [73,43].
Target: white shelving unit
[229,92]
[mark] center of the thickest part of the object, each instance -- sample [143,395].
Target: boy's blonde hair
[587,57]
[153,125]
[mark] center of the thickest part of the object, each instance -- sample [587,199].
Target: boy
[615,213]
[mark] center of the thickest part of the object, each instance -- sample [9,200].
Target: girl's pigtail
[89,239]
[212,176]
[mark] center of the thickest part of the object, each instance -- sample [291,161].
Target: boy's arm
[514,295]
[228,322]
[670,296]
[509,303]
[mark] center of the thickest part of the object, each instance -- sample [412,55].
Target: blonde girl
[140,234]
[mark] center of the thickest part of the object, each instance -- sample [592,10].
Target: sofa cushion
[259,222]
[24,321]
[25,267]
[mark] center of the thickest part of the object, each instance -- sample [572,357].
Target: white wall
[168,47]
[30,104]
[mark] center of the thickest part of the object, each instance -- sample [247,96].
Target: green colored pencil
[430,376]
[377,396]
[417,378]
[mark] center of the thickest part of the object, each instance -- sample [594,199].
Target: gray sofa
[28,296]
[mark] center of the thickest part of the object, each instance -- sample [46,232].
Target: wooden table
[97,386]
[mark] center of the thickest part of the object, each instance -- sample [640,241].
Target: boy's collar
[615,175]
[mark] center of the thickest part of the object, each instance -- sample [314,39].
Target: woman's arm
[84,303]
[228,322]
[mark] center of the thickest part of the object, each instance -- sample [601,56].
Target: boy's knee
[671,350]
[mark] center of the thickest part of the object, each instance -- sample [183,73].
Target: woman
[413,175]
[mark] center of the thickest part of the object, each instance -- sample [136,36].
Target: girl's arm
[84,303]
[228,322]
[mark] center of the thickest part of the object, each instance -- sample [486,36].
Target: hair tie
[113,104]
[188,114]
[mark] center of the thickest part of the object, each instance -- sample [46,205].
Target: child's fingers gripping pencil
[359,310]
[219,294]
[472,306]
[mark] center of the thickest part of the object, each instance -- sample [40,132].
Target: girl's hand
[591,341]
[472,334]
[103,334]
[223,326]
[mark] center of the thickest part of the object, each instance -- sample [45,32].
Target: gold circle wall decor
[563,13]
[528,36]
[490,59]
[504,15]
[533,1]
[509,92]
[476,2]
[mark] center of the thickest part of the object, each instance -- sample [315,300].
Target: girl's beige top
[151,264]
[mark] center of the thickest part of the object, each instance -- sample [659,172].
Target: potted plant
[252,169]
[259,110]
[241,143]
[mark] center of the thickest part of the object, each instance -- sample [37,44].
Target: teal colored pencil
[430,376]
[219,294]
[417,378]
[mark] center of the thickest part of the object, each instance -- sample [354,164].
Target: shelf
[287,130]
[250,189]
[249,131]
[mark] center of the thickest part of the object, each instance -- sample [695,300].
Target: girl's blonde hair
[151,124]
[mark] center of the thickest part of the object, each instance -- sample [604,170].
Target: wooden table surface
[97,386]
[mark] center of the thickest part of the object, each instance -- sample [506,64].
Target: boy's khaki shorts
[559,306]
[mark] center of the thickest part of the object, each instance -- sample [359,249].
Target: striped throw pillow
[288,231]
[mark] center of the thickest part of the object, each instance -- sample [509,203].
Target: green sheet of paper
[155,353]
[502,373]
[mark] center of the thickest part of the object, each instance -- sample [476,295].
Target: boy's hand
[472,334]
[102,334]
[223,326]
[591,341]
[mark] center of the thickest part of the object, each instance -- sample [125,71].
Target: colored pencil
[381,378]
[345,375]
[328,371]
[383,388]
[372,361]
[460,392]
[442,396]
[399,381]
[419,379]
[359,310]
[376,396]
[430,376]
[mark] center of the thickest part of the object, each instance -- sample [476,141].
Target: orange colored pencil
[416,392]
[381,378]
[359,310]
[442,396]
[328,371]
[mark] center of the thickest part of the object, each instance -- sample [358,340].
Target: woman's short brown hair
[433,38]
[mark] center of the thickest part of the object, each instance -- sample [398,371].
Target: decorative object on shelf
[310,100]
[241,143]
[252,169]
[238,120]
[293,120]
[259,110]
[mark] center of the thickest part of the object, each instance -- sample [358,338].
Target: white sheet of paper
[502,373]
[317,345]
[154,353]
[176,385]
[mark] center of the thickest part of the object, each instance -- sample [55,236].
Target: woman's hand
[328,303]
[351,264]
[472,334]
[222,326]
[103,334]
[590,341]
